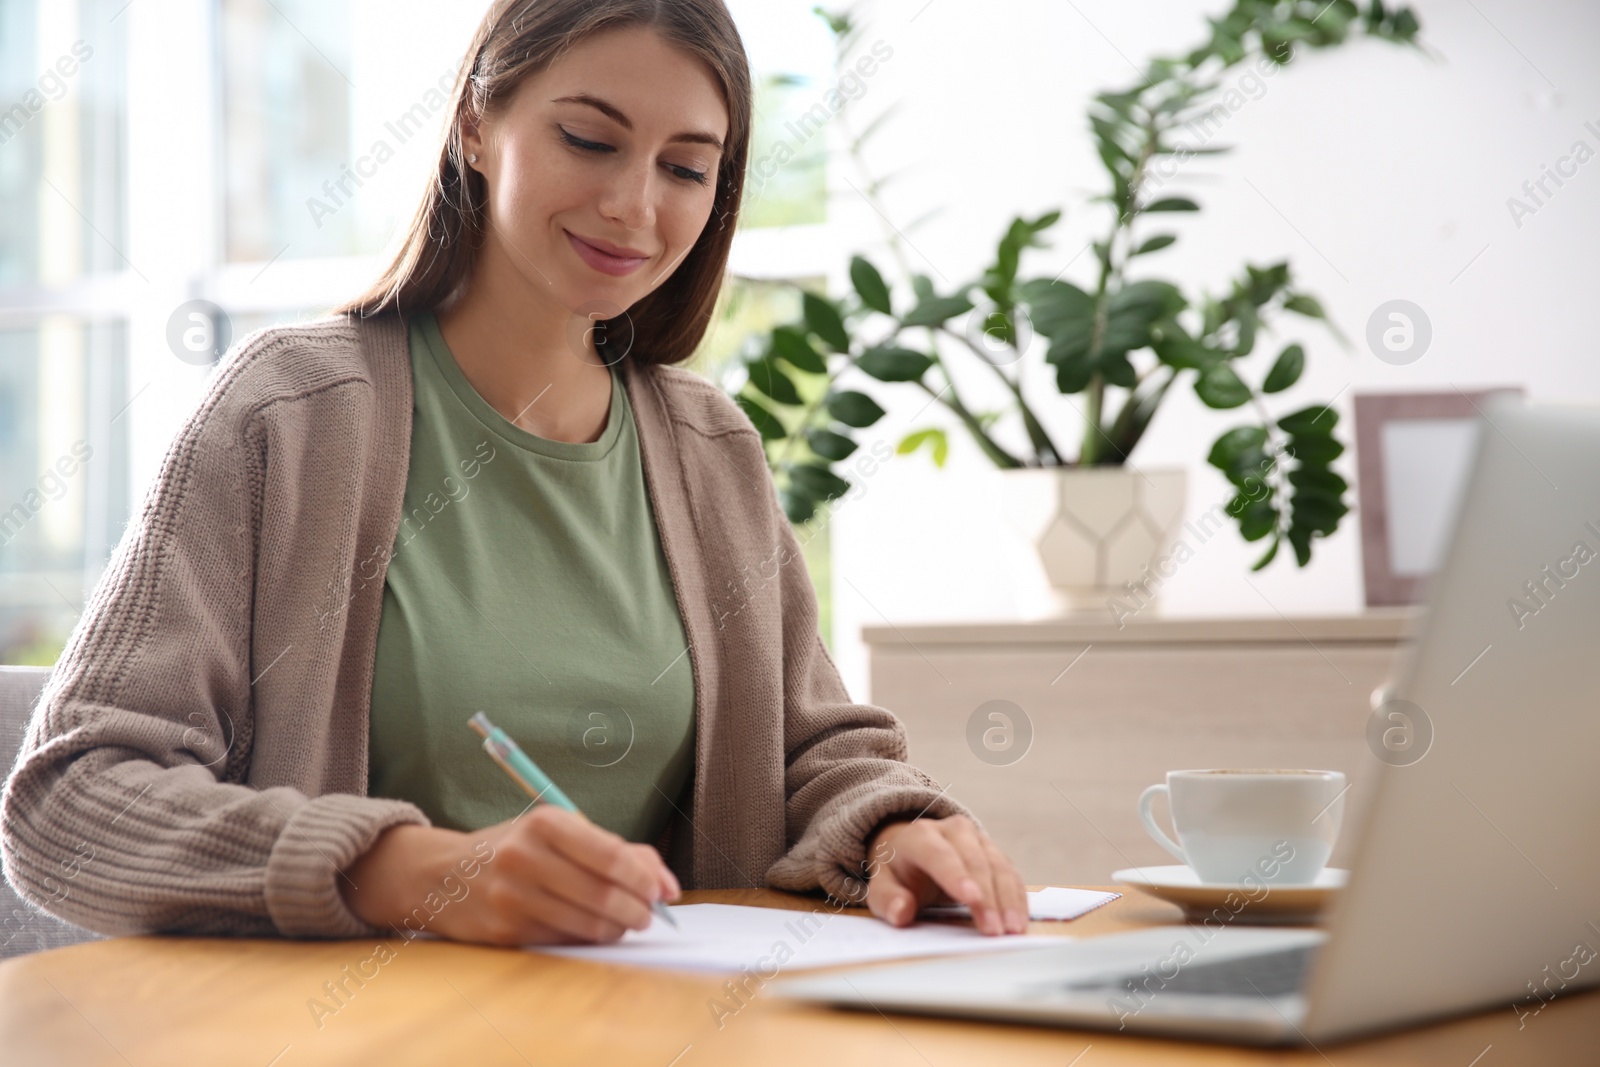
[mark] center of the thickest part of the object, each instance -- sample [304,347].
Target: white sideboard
[1111,710]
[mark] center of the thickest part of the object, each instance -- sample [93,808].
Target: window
[64,484]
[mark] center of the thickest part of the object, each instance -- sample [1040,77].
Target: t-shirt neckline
[504,428]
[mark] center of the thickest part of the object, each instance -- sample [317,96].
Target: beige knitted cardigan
[198,761]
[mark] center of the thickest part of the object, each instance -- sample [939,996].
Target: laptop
[1475,880]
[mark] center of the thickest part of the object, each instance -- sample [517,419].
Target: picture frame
[1413,456]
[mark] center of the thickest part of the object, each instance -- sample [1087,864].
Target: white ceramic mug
[1234,826]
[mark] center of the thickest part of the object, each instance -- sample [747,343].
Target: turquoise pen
[534,781]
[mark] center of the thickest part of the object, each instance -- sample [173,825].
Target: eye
[578,142]
[696,176]
[685,173]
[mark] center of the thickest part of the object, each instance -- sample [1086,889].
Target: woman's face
[614,148]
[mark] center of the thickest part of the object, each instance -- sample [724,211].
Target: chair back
[23,928]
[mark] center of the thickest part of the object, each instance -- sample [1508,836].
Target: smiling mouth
[603,261]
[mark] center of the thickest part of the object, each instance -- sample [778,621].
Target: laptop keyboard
[1271,974]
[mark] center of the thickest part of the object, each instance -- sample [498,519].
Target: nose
[628,197]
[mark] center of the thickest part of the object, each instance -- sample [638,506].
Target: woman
[484,485]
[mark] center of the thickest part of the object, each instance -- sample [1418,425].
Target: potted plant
[1121,342]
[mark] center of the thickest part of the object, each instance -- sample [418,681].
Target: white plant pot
[1100,533]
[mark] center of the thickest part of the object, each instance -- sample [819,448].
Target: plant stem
[999,456]
[1093,434]
[1042,444]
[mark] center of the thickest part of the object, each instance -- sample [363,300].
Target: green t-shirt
[527,582]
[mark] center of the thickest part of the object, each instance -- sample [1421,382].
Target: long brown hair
[518,38]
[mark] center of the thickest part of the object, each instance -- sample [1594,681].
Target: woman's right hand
[546,877]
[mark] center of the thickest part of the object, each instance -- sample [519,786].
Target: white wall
[1377,172]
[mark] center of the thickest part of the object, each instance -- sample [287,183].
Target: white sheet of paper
[1052,903]
[732,937]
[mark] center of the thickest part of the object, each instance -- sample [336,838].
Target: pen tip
[480,723]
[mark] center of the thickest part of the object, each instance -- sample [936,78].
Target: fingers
[563,879]
[924,853]
[952,857]
[636,868]
[988,913]
[534,909]
[889,900]
[1013,893]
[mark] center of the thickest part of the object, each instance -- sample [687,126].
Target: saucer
[1271,904]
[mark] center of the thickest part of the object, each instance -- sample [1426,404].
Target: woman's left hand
[929,861]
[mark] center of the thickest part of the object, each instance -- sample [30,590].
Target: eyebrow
[612,112]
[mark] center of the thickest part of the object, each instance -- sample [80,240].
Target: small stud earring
[472,158]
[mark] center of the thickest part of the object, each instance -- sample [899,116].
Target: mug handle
[1149,821]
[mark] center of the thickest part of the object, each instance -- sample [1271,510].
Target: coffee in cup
[1236,826]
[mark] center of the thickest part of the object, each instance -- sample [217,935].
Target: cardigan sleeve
[128,810]
[845,763]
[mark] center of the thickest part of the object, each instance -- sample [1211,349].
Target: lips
[606,257]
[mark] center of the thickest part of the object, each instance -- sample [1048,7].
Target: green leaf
[1155,244]
[1116,369]
[869,285]
[829,445]
[1286,371]
[1264,282]
[1314,480]
[1149,299]
[1245,316]
[1125,332]
[853,408]
[1258,519]
[1074,372]
[798,506]
[790,344]
[1300,539]
[818,481]
[1236,446]
[1317,419]
[1174,347]
[889,364]
[1069,346]
[936,310]
[824,320]
[1272,550]
[766,422]
[1057,307]
[1314,448]
[1317,512]
[922,286]
[935,438]
[1302,304]
[1219,387]
[1172,203]
[766,376]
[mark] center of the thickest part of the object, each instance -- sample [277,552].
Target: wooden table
[157,1001]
